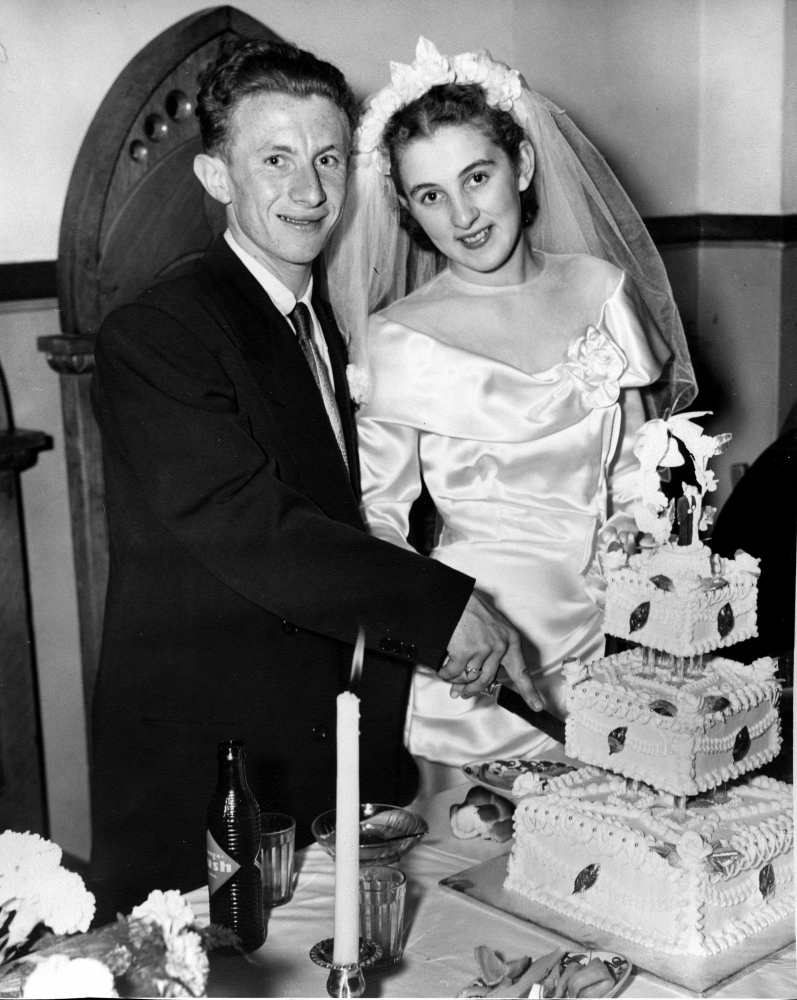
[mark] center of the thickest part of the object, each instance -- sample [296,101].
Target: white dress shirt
[283,298]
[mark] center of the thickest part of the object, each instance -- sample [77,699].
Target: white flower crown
[501,84]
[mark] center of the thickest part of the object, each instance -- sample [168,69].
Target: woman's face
[465,193]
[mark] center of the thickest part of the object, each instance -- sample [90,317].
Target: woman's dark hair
[254,66]
[442,106]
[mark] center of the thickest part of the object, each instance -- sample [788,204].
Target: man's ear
[525,167]
[213,176]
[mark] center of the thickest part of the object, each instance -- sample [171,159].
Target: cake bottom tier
[698,888]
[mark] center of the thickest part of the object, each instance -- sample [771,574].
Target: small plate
[500,775]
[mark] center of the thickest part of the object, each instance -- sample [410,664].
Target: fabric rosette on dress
[596,363]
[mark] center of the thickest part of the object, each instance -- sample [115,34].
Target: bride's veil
[371,260]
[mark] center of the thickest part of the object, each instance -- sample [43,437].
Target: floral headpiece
[501,84]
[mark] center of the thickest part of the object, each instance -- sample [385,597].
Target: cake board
[696,975]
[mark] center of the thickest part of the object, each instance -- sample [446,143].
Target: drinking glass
[277,835]
[382,891]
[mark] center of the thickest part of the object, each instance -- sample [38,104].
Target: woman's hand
[483,641]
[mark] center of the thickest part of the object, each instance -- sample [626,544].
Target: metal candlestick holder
[345,980]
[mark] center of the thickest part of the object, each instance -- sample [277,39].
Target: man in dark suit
[240,566]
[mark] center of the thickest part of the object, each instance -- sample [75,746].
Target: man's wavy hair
[254,66]
[442,106]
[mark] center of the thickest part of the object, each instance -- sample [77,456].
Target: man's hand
[483,641]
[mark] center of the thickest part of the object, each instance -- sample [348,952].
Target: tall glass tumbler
[382,891]
[277,836]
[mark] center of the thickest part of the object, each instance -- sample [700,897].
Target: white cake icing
[681,876]
[682,600]
[625,863]
[717,726]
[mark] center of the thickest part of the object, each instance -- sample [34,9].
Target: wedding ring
[471,672]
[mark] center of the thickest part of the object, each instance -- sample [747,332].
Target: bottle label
[220,865]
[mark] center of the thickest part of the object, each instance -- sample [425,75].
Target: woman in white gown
[509,382]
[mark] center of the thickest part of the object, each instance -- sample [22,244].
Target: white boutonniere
[359,383]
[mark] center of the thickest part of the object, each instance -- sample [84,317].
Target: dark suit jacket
[240,571]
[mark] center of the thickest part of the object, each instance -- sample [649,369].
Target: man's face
[284,175]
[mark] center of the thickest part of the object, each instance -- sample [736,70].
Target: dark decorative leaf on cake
[713,583]
[725,620]
[667,851]
[639,617]
[722,859]
[766,881]
[617,739]
[717,704]
[741,744]
[663,707]
[663,582]
[586,878]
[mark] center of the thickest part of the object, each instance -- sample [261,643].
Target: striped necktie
[303,324]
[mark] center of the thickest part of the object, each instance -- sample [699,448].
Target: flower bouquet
[47,950]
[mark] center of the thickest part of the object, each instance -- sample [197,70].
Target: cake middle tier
[628,718]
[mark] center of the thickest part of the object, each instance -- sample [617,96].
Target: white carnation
[168,910]
[61,976]
[187,962]
[27,854]
[35,888]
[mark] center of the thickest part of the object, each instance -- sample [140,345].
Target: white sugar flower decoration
[359,383]
[168,910]
[692,849]
[747,563]
[501,84]
[651,522]
[61,976]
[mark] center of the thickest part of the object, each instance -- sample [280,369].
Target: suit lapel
[273,356]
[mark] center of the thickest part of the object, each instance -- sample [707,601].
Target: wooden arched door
[134,210]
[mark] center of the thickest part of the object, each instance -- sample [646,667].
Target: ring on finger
[471,672]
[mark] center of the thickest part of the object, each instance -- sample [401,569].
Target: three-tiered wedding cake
[617,844]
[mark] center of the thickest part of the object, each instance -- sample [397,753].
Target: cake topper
[674,477]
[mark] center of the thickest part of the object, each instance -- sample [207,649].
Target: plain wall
[691,101]
[684,97]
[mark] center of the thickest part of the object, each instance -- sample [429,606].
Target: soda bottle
[233,846]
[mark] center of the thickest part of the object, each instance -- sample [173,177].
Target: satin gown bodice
[524,468]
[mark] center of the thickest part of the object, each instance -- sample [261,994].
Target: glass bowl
[386,832]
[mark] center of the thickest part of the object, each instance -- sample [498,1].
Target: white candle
[347,832]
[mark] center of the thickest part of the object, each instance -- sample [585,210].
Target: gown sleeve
[628,320]
[390,467]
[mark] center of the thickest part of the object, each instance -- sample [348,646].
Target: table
[442,930]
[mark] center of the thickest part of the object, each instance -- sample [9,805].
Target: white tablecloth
[442,930]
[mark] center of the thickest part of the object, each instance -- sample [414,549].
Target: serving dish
[499,775]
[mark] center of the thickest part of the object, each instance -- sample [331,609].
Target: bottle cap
[230,750]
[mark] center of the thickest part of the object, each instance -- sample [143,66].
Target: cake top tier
[674,477]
